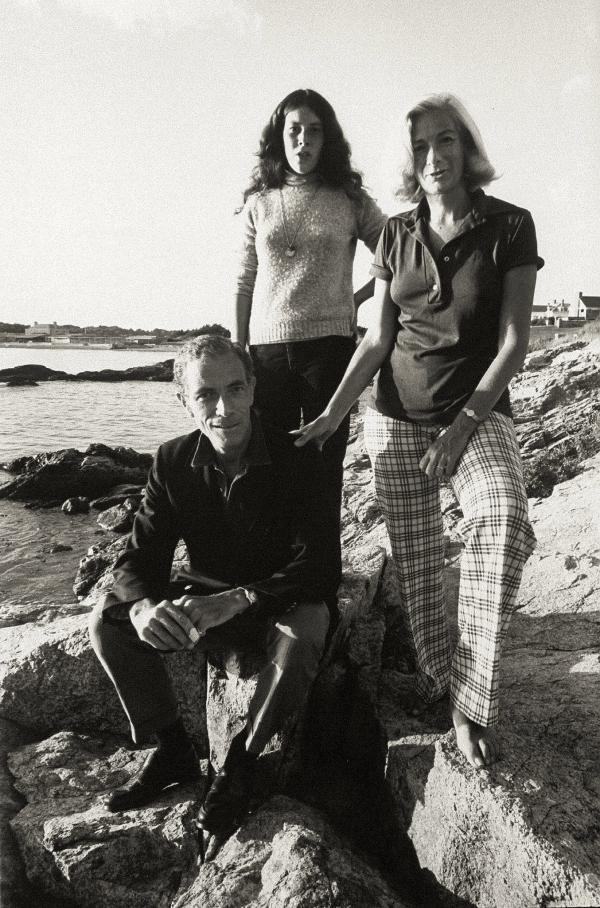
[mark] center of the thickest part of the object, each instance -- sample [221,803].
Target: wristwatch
[471,414]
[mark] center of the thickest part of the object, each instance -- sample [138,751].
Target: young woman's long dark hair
[334,166]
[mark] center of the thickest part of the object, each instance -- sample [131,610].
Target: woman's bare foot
[478,744]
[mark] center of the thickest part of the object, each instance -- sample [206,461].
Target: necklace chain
[291,249]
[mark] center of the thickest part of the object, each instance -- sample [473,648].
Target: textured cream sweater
[309,295]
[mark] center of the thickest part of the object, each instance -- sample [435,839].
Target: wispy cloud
[161,15]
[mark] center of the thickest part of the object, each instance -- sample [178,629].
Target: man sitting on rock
[248,505]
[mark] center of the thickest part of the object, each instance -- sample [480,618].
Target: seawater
[57,415]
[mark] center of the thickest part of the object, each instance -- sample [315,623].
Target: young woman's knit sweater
[310,294]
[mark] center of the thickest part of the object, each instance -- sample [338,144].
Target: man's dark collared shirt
[267,531]
[449,309]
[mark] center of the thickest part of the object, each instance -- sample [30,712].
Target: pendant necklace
[291,248]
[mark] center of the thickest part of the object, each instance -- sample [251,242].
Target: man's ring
[194,635]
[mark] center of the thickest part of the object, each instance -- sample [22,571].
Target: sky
[130,129]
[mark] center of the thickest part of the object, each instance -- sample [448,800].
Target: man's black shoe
[163,767]
[227,800]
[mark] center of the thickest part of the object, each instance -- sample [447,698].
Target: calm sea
[57,415]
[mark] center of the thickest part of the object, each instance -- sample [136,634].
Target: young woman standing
[304,212]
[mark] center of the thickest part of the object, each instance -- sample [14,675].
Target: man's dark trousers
[292,645]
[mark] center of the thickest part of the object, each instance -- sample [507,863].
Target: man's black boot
[228,797]
[171,763]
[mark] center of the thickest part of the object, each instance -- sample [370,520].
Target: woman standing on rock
[455,278]
[304,211]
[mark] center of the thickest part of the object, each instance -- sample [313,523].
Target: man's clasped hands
[179,624]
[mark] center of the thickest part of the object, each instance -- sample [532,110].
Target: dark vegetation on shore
[164,335]
[586,332]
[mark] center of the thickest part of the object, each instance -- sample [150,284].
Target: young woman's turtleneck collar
[301,179]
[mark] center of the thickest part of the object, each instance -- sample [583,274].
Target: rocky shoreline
[523,833]
[17,376]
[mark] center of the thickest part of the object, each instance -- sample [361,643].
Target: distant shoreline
[41,345]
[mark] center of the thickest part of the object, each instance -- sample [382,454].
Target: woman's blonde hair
[478,170]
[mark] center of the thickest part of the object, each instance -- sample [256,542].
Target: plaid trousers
[488,483]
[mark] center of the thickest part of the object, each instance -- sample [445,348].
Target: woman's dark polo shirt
[448,312]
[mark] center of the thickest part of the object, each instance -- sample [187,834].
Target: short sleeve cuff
[536,260]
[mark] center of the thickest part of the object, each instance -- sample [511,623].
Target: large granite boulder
[50,679]
[75,849]
[287,854]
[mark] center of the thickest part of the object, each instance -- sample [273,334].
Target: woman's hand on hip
[442,455]
[318,431]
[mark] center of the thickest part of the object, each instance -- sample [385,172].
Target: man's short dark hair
[208,345]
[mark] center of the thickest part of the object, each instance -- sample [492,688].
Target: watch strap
[468,411]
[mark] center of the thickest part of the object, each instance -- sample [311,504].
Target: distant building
[550,313]
[588,307]
[62,337]
[538,313]
[140,338]
[39,330]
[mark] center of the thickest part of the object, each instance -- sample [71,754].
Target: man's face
[219,396]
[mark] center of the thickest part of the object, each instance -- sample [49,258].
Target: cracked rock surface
[287,856]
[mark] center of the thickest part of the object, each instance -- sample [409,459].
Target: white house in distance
[585,309]
[551,313]
[588,307]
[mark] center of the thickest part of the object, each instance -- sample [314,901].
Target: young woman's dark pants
[294,383]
